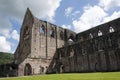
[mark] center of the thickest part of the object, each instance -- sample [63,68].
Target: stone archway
[61,68]
[27,69]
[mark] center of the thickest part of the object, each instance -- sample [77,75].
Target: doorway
[27,69]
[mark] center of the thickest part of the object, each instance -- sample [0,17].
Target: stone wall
[39,41]
[47,48]
[93,51]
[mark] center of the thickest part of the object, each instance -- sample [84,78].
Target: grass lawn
[72,76]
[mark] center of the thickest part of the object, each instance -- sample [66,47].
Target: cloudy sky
[77,15]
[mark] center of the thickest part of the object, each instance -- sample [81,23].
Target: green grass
[73,76]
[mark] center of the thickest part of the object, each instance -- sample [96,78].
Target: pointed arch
[111,29]
[100,33]
[90,35]
[27,69]
[52,32]
[71,52]
[71,38]
[42,29]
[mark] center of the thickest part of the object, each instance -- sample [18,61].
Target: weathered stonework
[39,41]
[96,49]
[47,48]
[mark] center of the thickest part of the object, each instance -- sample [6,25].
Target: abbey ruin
[45,48]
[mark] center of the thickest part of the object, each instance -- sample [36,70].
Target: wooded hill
[6,58]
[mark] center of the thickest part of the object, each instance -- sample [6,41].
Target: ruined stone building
[47,48]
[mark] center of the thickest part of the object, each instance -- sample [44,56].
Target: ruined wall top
[100,30]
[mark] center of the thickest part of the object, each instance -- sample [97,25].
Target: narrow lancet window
[42,29]
[111,29]
[100,33]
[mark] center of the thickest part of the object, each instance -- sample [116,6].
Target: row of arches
[100,33]
[59,32]
[94,45]
[97,61]
[29,71]
[51,32]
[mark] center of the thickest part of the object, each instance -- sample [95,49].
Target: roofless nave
[47,48]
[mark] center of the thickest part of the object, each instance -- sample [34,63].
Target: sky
[76,15]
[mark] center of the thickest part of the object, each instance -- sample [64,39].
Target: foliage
[6,58]
[73,76]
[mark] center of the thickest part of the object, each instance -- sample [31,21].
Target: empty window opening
[71,53]
[61,68]
[27,69]
[61,35]
[91,36]
[52,33]
[42,29]
[70,40]
[111,29]
[100,33]
[41,69]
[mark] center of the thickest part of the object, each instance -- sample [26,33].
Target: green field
[73,76]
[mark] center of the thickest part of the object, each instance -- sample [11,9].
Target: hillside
[6,58]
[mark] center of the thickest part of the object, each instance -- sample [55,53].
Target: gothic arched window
[42,29]
[100,33]
[111,29]
[71,38]
[71,53]
[52,32]
[90,35]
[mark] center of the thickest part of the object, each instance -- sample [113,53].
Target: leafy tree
[6,58]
